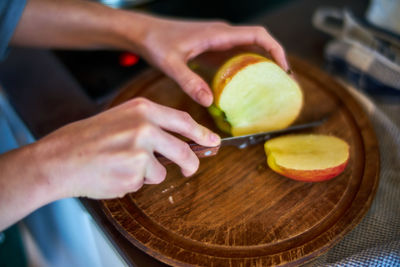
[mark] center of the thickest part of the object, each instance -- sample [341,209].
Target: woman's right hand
[111,154]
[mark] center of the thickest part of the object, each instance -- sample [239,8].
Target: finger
[135,166]
[179,122]
[265,40]
[155,172]
[259,36]
[247,35]
[191,83]
[174,149]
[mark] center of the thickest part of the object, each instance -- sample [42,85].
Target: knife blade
[242,141]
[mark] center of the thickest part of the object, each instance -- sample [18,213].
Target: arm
[167,44]
[104,156]
[22,186]
[78,24]
[100,157]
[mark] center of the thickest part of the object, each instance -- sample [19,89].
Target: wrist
[132,29]
[23,186]
[44,180]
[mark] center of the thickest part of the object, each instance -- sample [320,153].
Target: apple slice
[253,94]
[307,157]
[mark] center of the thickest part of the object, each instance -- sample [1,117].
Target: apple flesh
[307,157]
[253,94]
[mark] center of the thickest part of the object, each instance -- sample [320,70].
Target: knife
[241,141]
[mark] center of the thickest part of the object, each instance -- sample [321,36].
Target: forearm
[78,24]
[23,188]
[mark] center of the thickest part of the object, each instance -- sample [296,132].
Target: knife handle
[200,151]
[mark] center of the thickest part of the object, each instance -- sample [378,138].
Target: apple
[253,94]
[307,157]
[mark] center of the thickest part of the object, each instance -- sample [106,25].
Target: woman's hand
[166,43]
[111,154]
[104,156]
[170,44]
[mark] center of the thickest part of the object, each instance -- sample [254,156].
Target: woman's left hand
[170,44]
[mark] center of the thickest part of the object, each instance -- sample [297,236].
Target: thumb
[192,84]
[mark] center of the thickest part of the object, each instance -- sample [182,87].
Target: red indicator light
[128,59]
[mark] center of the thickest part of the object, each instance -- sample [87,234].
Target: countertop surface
[47,97]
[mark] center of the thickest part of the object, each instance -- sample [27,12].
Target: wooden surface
[236,211]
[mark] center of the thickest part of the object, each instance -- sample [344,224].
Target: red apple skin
[313,175]
[316,151]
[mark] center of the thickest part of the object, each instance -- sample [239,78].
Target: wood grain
[235,211]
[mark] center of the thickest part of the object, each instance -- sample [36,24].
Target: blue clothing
[10,14]
[11,248]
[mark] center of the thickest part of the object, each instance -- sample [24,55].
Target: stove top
[101,72]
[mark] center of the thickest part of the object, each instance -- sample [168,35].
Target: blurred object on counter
[362,54]
[385,14]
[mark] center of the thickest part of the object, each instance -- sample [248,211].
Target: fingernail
[286,64]
[204,97]
[215,139]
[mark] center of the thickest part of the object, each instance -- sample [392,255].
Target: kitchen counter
[47,96]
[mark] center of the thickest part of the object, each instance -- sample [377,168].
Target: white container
[385,14]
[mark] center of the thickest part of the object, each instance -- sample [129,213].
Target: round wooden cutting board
[235,211]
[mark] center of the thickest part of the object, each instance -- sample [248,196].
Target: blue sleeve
[10,14]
